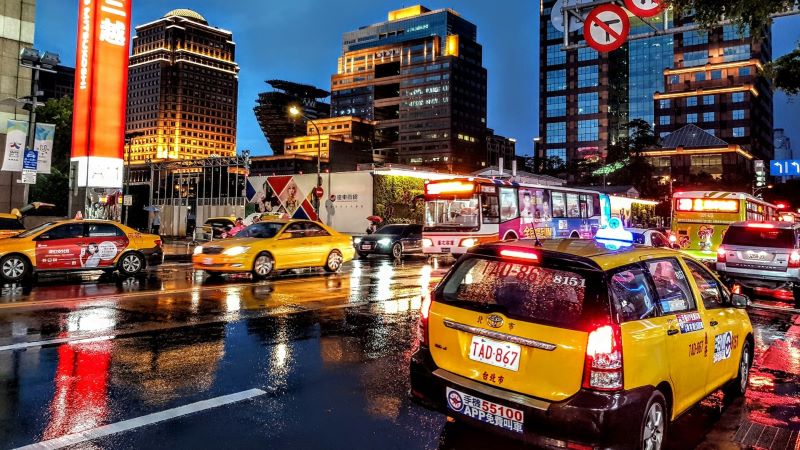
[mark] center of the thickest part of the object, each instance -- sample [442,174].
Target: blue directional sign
[30,159]
[784,167]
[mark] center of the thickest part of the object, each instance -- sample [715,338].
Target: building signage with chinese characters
[101,86]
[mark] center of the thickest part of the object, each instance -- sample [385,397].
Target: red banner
[101,87]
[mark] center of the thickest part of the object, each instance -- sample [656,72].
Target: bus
[463,212]
[701,218]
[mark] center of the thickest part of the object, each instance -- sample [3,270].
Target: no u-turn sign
[606,28]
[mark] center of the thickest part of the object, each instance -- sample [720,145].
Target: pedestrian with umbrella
[373,224]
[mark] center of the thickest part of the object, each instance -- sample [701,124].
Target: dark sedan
[394,240]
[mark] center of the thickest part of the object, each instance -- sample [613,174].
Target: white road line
[76,340]
[150,419]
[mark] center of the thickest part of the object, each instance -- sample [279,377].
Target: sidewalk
[178,250]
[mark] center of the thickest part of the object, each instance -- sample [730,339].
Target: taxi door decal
[59,253]
[101,252]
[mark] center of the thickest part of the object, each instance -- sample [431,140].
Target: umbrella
[374,219]
[152,208]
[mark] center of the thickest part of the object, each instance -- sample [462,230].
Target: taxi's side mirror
[740,301]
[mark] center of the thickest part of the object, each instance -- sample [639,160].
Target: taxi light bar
[449,187]
[519,255]
[706,205]
[763,226]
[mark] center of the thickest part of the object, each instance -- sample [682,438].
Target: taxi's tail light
[794,259]
[722,255]
[424,315]
[603,367]
[518,254]
[159,243]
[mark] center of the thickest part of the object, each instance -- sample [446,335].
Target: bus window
[490,208]
[559,204]
[573,209]
[509,208]
[452,212]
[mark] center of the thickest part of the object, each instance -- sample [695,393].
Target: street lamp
[295,111]
[37,61]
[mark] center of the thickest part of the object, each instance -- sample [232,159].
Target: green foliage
[52,188]
[785,72]
[754,14]
[397,198]
[59,113]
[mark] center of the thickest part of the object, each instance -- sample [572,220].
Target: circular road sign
[557,15]
[606,28]
[644,8]
[319,192]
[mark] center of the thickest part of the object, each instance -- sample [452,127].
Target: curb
[779,309]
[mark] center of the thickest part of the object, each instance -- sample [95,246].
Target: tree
[625,161]
[54,188]
[755,15]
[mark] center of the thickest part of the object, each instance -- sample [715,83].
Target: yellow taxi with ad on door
[579,343]
[78,245]
[271,245]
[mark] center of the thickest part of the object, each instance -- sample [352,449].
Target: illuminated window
[556,80]
[708,116]
[692,59]
[737,97]
[738,114]
[732,32]
[736,53]
[695,37]
[691,101]
[555,55]
[556,106]
[556,133]
[700,76]
[588,130]
[664,103]
[560,153]
[738,132]
[588,103]
[708,99]
[587,54]
[664,120]
[691,118]
[587,76]
[716,74]
[744,71]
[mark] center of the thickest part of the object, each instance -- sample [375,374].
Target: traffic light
[761,180]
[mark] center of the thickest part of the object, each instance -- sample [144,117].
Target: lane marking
[150,419]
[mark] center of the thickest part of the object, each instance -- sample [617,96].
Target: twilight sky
[299,40]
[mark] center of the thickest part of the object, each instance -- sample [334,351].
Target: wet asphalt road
[302,361]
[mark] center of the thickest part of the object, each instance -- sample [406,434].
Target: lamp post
[295,111]
[37,61]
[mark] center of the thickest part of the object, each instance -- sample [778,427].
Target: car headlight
[357,240]
[384,242]
[198,250]
[469,242]
[235,251]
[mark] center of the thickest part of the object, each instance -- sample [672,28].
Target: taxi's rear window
[551,295]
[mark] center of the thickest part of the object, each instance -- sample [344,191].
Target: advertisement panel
[43,144]
[101,83]
[15,145]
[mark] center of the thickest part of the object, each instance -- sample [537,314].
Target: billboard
[101,86]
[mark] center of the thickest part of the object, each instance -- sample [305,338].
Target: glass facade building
[419,77]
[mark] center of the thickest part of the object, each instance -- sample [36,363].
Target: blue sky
[299,40]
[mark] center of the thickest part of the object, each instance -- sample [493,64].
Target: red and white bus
[461,213]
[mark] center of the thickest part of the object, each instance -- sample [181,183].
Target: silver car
[761,254]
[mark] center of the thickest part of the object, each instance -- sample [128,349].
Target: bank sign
[101,86]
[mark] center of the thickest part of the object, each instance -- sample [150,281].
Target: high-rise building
[272,111]
[183,87]
[419,77]
[499,147]
[17,19]
[57,84]
[586,97]
[783,148]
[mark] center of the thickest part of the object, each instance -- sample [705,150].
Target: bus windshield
[455,212]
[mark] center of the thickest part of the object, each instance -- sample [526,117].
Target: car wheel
[14,268]
[397,251]
[738,386]
[263,266]
[654,423]
[131,264]
[334,261]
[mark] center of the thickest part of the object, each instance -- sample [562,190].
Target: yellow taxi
[273,245]
[73,245]
[579,343]
[11,224]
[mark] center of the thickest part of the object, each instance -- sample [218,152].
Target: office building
[58,84]
[272,110]
[587,97]
[499,147]
[16,32]
[183,88]
[419,77]
[784,150]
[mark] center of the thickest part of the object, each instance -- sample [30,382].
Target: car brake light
[603,367]
[519,255]
[722,255]
[159,243]
[794,259]
[761,225]
[424,314]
